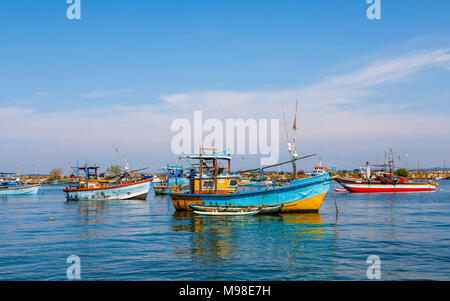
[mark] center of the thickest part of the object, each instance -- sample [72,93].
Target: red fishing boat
[383,181]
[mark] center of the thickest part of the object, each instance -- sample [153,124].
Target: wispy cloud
[105,93]
[337,113]
[333,90]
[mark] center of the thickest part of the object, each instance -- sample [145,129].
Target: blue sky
[72,88]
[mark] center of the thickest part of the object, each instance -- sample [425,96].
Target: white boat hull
[21,190]
[136,190]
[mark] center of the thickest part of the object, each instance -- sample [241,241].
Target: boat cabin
[8,180]
[174,175]
[319,170]
[212,173]
[88,177]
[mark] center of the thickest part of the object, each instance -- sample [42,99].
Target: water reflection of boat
[302,219]
[290,242]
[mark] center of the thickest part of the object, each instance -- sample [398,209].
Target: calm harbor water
[148,240]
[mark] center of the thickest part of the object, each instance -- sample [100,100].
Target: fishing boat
[227,213]
[319,169]
[215,186]
[91,187]
[265,209]
[174,176]
[384,181]
[12,186]
[5,190]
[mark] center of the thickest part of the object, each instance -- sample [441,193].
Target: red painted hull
[393,189]
[364,186]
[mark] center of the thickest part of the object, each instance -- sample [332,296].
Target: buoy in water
[51,218]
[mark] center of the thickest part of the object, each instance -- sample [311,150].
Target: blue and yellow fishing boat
[215,188]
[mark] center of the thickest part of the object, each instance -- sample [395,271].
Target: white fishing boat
[91,187]
[19,190]
[11,185]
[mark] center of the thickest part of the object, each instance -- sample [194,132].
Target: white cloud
[176,98]
[104,93]
[335,114]
[336,90]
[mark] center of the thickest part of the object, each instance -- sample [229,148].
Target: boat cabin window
[208,184]
[232,183]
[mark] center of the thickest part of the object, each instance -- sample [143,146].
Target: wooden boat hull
[304,195]
[227,213]
[364,186]
[21,190]
[135,190]
[262,209]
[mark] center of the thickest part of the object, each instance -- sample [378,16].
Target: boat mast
[126,167]
[201,170]
[18,174]
[292,148]
[78,172]
[391,161]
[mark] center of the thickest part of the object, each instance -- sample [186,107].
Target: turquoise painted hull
[294,195]
[138,190]
[294,191]
[162,191]
[21,190]
[166,188]
[165,191]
